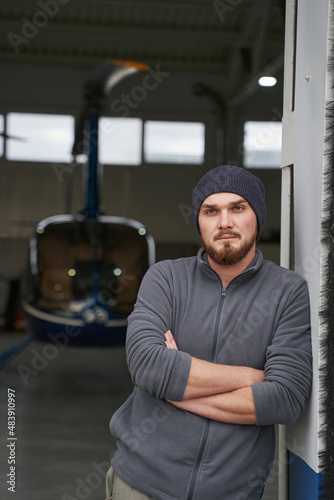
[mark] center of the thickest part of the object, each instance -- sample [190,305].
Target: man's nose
[225,220]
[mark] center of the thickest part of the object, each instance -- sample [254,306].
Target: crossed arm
[219,392]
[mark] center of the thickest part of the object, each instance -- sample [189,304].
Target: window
[262,144]
[40,137]
[174,142]
[120,141]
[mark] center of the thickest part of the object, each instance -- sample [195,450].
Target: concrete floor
[64,400]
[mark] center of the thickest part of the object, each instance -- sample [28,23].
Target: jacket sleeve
[288,368]
[161,372]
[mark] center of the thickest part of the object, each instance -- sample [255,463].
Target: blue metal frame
[304,482]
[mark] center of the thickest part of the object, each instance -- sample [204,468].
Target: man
[219,351]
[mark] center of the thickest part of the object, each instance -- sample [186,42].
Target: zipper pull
[223,293]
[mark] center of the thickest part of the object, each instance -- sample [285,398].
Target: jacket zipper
[205,434]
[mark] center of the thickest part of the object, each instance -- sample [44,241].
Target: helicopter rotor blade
[13,137]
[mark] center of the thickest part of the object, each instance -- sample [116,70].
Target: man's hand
[206,379]
[170,341]
[235,407]
[219,392]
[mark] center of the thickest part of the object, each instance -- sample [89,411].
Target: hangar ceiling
[241,39]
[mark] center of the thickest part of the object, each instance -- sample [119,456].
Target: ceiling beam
[184,64]
[195,34]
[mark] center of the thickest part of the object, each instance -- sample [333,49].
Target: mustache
[225,233]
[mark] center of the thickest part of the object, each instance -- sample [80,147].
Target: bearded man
[219,350]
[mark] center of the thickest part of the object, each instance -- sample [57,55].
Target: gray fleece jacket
[260,320]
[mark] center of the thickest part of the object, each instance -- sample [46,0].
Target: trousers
[117,489]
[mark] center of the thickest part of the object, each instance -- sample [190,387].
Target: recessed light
[267,81]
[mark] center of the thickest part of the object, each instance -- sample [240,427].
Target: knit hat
[231,179]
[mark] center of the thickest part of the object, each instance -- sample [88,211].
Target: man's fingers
[170,341]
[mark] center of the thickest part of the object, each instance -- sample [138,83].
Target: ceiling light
[267,81]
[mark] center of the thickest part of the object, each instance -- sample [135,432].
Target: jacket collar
[253,267]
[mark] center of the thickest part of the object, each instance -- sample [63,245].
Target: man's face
[228,227]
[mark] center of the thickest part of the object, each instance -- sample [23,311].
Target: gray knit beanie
[231,179]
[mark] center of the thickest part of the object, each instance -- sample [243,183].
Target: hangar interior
[188,112]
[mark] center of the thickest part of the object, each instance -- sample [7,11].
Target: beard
[228,255]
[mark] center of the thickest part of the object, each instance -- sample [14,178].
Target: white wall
[309,119]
